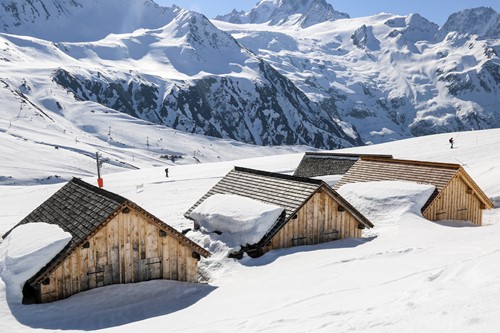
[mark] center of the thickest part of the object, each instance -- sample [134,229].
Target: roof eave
[480,193]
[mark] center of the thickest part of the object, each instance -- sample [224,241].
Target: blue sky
[434,10]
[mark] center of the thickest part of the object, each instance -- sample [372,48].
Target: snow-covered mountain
[482,21]
[80,20]
[300,77]
[188,75]
[226,91]
[390,76]
[303,13]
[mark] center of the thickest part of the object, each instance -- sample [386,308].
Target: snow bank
[380,200]
[26,250]
[241,220]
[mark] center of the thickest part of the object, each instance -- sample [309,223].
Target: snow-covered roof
[289,193]
[241,220]
[26,250]
[381,199]
[369,169]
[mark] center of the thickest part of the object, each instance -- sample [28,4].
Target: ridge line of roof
[349,206]
[110,195]
[278,175]
[442,165]
[481,194]
[308,153]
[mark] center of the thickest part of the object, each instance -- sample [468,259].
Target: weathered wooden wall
[319,220]
[457,201]
[130,248]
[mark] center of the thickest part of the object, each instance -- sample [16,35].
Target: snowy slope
[186,75]
[390,76]
[89,19]
[50,137]
[324,81]
[407,274]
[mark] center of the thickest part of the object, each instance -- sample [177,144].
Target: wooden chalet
[456,197]
[313,212]
[113,241]
[315,164]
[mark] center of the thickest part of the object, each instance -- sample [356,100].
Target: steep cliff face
[481,21]
[273,112]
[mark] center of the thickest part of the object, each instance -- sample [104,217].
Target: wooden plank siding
[319,220]
[457,201]
[458,196]
[310,209]
[129,248]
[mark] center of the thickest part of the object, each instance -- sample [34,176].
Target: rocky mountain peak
[482,21]
[304,13]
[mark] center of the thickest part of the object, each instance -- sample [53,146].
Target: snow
[406,274]
[389,70]
[385,199]
[242,221]
[26,250]
[331,180]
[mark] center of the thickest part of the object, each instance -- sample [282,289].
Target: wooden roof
[289,192]
[81,209]
[315,164]
[369,169]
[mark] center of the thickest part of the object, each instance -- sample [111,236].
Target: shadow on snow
[111,306]
[271,256]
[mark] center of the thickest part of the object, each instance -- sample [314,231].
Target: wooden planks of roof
[290,192]
[375,169]
[314,164]
[441,175]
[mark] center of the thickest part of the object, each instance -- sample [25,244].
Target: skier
[166,172]
[451,142]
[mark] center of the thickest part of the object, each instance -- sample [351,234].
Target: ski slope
[406,275]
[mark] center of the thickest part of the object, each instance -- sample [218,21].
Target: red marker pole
[100,181]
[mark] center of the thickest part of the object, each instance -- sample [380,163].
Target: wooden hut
[113,241]
[313,212]
[457,196]
[315,164]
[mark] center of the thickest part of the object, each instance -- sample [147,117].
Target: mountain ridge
[303,13]
[331,84]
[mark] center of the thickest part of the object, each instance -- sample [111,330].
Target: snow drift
[26,250]
[378,200]
[241,220]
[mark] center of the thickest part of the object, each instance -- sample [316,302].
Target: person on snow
[451,142]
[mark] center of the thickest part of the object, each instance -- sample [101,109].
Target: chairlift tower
[100,161]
